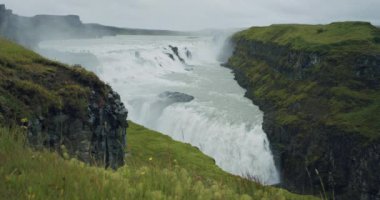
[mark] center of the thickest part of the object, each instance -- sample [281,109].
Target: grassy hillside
[338,36]
[157,168]
[32,86]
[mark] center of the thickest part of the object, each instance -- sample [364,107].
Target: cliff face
[29,31]
[66,109]
[319,88]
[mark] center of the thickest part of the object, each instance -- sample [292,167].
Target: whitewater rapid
[219,120]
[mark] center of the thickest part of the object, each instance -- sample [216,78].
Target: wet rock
[176,53]
[170,56]
[188,53]
[176,97]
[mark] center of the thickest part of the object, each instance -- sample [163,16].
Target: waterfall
[175,85]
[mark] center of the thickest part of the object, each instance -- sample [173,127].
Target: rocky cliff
[319,88]
[29,31]
[63,108]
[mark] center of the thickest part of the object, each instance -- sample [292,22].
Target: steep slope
[319,88]
[158,168]
[61,107]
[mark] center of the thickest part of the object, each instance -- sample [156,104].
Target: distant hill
[28,31]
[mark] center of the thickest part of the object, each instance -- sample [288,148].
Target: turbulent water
[175,85]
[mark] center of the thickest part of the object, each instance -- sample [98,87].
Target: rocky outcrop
[63,108]
[292,63]
[176,53]
[98,138]
[308,98]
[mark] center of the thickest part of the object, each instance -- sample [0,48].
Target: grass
[11,52]
[363,119]
[75,99]
[331,94]
[32,86]
[157,168]
[144,144]
[338,36]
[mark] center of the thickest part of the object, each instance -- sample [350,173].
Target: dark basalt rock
[99,139]
[189,55]
[307,152]
[176,97]
[170,56]
[176,53]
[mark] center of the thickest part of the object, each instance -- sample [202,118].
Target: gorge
[190,98]
[291,105]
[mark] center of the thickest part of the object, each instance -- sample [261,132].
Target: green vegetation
[32,86]
[338,36]
[75,99]
[331,93]
[144,144]
[157,168]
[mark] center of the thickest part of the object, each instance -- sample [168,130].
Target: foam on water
[220,121]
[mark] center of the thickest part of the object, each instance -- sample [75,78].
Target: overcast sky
[201,14]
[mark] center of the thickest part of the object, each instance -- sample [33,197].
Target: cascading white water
[157,86]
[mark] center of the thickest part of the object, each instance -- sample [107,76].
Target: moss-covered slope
[32,85]
[319,87]
[61,105]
